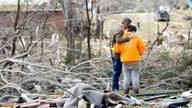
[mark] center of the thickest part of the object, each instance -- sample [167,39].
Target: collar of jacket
[122,26]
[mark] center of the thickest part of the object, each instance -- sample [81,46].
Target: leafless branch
[157,39]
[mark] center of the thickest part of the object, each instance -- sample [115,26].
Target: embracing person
[130,54]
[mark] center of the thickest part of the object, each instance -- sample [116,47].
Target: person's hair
[132,28]
[126,20]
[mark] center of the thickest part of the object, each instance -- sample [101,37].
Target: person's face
[126,26]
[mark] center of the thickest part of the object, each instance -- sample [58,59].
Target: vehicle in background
[162,15]
[189,4]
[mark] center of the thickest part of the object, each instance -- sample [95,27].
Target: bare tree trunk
[101,22]
[88,30]
[189,33]
[68,15]
[98,22]
[16,29]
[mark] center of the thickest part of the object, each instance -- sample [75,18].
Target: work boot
[136,91]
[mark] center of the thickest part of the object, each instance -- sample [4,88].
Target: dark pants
[117,66]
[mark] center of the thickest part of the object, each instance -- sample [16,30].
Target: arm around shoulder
[121,39]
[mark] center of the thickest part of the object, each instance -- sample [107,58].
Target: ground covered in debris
[166,66]
[85,96]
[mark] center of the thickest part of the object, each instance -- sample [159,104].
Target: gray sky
[14,2]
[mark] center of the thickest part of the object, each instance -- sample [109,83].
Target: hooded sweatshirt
[130,51]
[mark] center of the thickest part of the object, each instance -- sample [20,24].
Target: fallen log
[152,94]
[155,97]
[177,104]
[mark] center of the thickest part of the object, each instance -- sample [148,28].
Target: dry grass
[149,26]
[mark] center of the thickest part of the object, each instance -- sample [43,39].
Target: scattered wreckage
[85,96]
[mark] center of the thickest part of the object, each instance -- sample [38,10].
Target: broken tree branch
[159,34]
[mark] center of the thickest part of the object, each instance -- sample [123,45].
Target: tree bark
[88,30]
[68,15]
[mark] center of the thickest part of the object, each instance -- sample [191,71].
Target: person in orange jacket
[116,35]
[130,55]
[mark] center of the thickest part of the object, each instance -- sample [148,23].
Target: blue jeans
[117,67]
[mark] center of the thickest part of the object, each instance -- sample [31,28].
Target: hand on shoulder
[133,35]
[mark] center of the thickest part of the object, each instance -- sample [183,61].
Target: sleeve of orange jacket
[116,48]
[141,47]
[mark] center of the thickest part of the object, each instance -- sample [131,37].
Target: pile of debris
[85,96]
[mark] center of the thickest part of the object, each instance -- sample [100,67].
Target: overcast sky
[14,2]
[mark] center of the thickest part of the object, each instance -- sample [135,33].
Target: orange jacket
[130,51]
